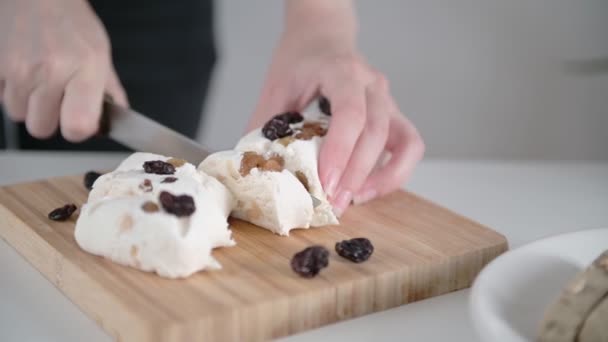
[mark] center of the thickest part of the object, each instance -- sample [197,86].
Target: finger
[81,105]
[348,119]
[406,148]
[369,146]
[15,101]
[276,97]
[44,106]
[115,89]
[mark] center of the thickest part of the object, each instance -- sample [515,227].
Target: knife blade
[141,133]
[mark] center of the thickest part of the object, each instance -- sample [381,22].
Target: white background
[481,79]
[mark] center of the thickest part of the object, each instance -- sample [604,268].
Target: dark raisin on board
[324,106]
[356,250]
[159,167]
[90,178]
[309,262]
[290,117]
[169,180]
[62,213]
[180,206]
[276,128]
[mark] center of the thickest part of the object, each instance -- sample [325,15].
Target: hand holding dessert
[317,54]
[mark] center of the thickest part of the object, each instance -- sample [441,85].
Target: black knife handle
[104,119]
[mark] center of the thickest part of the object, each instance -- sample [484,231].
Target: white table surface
[522,200]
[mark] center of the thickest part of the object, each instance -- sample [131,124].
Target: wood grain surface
[421,251]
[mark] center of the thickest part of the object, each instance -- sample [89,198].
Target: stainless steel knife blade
[143,134]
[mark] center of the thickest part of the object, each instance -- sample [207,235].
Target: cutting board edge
[61,266]
[488,253]
[498,235]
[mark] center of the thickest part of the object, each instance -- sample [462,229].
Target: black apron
[164,53]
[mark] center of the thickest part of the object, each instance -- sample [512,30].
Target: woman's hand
[317,56]
[55,65]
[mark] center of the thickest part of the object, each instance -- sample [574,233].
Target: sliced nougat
[166,223]
[267,195]
[300,150]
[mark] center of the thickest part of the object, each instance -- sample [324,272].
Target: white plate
[510,295]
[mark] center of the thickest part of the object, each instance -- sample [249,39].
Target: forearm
[322,20]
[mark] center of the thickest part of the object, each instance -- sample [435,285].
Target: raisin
[62,213]
[356,250]
[176,162]
[146,186]
[324,106]
[90,178]
[179,206]
[309,262]
[159,167]
[310,130]
[285,141]
[302,178]
[252,160]
[150,207]
[276,128]
[275,163]
[169,180]
[290,117]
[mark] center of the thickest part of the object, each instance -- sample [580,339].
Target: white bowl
[510,295]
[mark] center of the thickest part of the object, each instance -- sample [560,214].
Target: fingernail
[365,196]
[342,201]
[331,182]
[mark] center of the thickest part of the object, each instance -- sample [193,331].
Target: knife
[141,133]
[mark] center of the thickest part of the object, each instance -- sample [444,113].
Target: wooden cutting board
[421,251]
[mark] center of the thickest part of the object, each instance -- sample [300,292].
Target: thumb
[115,89]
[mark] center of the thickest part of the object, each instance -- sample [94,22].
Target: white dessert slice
[125,221]
[267,195]
[301,154]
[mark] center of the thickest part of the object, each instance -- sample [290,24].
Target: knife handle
[104,119]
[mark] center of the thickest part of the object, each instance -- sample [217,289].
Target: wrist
[321,22]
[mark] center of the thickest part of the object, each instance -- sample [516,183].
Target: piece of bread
[267,195]
[126,221]
[566,318]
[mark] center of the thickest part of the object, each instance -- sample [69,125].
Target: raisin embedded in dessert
[252,160]
[276,128]
[159,167]
[176,162]
[309,262]
[285,141]
[62,213]
[356,250]
[290,117]
[146,186]
[90,178]
[150,207]
[169,180]
[310,130]
[274,163]
[180,206]
[302,178]
[324,106]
